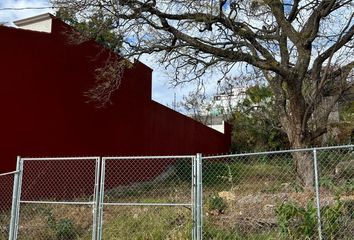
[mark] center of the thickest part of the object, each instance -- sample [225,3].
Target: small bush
[63,229]
[216,204]
[297,222]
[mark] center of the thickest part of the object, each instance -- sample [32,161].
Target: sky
[162,91]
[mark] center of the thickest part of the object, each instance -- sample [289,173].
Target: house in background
[44,79]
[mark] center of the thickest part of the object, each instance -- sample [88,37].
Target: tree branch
[278,11]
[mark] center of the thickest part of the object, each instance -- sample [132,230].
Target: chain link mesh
[245,196]
[147,198]
[57,198]
[336,181]
[55,221]
[58,180]
[6,187]
[258,196]
[146,222]
[150,180]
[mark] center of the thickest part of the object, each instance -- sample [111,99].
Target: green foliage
[341,186]
[327,182]
[216,203]
[221,176]
[347,112]
[63,229]
[297,222]
[214,173]
[183,170]
[98,27]
[258,94]
[255,122]
[148,223]
[331,219]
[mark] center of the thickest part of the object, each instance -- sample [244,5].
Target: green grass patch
[145,223]
[222,176]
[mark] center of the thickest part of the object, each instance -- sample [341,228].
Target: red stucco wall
[44,111]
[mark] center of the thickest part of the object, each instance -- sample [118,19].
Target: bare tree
[195,105]
[304,49]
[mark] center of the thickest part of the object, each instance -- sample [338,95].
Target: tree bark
[304,168]
[292,115]
[303,160]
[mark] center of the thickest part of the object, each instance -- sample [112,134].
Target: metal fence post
[14,201]
[96,199]
[194,218]
[199,192]
[101,199]
[318,205]
[19,190]
[15,211]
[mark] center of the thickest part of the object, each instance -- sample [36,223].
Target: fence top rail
[148,157]
[8,173]
[277,152]
[180,156]
[58,158]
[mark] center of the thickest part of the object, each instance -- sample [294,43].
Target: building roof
[34,19]
[41,23]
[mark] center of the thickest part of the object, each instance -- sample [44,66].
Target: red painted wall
[44,111]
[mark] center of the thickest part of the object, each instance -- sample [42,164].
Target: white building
[225,102]
[220,106]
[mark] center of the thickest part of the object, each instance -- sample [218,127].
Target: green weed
[297,222]
[63,229]
[216,203]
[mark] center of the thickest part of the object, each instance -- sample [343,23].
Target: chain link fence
[57,198]
[336,184]
[147,197]
[238,196]
[258,196]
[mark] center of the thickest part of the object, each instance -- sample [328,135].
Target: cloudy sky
[11,15]
[162,91]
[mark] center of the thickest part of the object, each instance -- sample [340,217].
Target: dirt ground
[255,212]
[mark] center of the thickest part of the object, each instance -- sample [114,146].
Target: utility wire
[23,8]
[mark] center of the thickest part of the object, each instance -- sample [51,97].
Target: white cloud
[8,16]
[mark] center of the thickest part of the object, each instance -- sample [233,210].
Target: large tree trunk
[303,160]
[304,169]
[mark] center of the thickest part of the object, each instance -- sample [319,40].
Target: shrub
[297,222]
[63,229]
[216,203]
